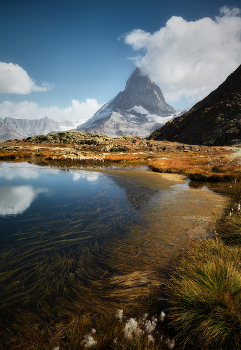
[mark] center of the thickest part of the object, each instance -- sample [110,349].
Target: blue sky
[66,58]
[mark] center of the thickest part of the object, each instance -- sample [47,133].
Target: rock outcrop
[216,120]
[138,110]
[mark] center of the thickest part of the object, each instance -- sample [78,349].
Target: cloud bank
[78,111]
[15,80]
[190,59]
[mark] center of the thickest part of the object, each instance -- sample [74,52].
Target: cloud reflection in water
[89,176]
[18,170]
[15,200]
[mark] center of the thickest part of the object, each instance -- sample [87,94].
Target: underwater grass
[58,275]
[205,296]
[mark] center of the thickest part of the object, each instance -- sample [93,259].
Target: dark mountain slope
[216,120]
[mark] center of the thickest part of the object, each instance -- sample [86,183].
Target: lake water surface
[90,240]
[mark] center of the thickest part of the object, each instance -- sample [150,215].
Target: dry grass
[128,157]
[15,155]
[201,167]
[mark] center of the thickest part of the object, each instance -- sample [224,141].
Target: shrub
[218,169]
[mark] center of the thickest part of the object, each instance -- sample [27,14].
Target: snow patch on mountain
[138,109]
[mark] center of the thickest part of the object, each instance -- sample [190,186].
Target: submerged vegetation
[56,288]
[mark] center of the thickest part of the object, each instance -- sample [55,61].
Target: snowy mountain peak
[138,110]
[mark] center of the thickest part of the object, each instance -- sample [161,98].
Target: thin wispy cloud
[190,59]
[15,80]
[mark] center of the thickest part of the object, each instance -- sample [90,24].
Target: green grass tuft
[205,296]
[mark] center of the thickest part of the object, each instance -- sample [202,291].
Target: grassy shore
[205,292]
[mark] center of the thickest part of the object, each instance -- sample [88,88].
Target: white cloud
[15,200]
[190,59]
[78,111]
[15,80]
[227,11]
[138,38]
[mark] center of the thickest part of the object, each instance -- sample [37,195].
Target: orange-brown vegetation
[73,149]
[204,167]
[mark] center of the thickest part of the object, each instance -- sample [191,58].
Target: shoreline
[80,150]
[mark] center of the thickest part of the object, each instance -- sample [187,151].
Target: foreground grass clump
[229,225]
[205,296]
[94,331]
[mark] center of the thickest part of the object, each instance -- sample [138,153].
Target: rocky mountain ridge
[13,128]
[6,132]
[216,120]
[138,110]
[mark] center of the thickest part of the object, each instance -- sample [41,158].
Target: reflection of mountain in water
[136,194]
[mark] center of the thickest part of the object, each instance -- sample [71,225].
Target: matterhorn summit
[138,110]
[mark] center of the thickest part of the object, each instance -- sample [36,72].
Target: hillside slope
[216,120]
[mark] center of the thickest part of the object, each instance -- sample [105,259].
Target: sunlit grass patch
[205,296]
[199,167]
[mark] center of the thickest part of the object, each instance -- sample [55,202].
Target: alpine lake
[91,241]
